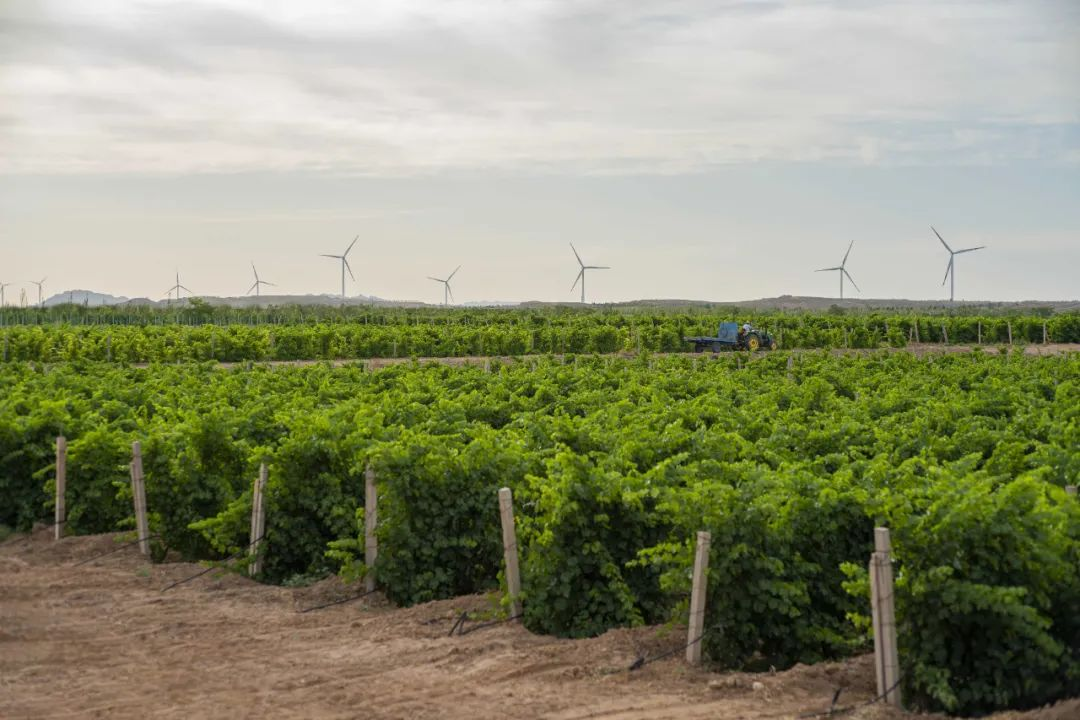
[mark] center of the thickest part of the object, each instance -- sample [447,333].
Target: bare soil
[102,641]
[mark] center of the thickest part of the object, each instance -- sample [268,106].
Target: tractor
[730,336]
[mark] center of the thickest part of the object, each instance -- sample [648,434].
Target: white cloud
[392,88]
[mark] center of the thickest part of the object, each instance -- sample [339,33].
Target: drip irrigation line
[461,624]
[336,602]
[833,710]
[115,550]
[642,661]
[202,572]
[458,623]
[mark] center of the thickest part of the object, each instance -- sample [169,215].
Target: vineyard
[788,461]
[191,334]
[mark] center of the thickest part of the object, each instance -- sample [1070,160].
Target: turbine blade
[252,288]
[580,273]
[336,257]
[350,246]
[851,279]
[184,288]
[941,239]
[347,267]
[828,269]
[844,261]
[970,249]
[948,269]
[255,271]
[576,255]
[435,279]
[453,274]
[263,282]
[450,290]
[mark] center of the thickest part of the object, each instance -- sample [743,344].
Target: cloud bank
[590,86]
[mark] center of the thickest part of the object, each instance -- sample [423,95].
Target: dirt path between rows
[920,350]
[101,641]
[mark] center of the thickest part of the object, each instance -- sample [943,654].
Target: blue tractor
[732,337]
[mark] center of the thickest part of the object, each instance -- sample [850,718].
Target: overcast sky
[704,149]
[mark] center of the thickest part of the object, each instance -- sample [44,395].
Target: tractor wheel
[752,342]
[716,347]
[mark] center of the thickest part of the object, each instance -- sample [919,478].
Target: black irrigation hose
[642,661]
[460,626]
[114,550]
[833,710]
[336,602]
[214,567]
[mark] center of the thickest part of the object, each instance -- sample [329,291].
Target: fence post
[944,335]
[696,627]
[1070,490]
[883,608]
[790,365]
[510,550]
[258,521]
[371,520]
[980,332]
[61,486]
[138,494]
[916,327]
[1008,326]
[1046,339]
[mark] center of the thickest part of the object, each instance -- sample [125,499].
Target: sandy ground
[102,641]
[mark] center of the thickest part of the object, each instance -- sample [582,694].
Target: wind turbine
[2,286]
[177,287]
[843,271]
[258,282]
[950,271]
[344,264]
[447,292]
[40,284]
[581,273]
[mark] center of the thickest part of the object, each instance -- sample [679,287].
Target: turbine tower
[950,270]
[177,287]
[40,285]
[581,273]
[842,269]
[258,282]
[2,301]
[344,264]
[447,292]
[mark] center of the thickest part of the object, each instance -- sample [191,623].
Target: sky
[703,149]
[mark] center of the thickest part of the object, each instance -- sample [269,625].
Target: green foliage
[615,465]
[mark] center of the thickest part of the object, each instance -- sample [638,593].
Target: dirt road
[102,641]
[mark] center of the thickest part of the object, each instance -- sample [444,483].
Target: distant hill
[83,297]
[788,303]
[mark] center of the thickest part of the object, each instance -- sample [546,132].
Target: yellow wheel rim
[752,344]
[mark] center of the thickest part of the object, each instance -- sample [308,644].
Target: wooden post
[138,493]
[1070,490]
[510,550]
[1046,339]
[1008,326]
[944,335]
[61,486]
[916,326]
[371,520]
[883,609]
[696,627]
[980,332]
[845,337]
[258,521]
[790,365]
[108,347]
